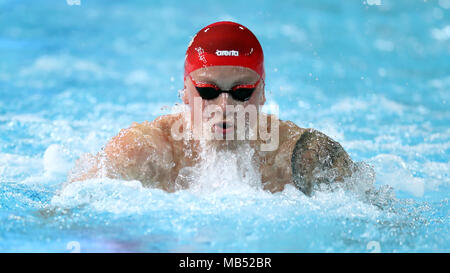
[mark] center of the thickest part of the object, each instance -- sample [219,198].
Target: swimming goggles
[210,91]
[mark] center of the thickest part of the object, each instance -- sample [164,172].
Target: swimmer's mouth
[224,127]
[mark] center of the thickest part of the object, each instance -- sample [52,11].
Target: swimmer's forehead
[225,73]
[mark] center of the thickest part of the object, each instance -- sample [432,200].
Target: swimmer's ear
[184,96]
[263,95]
[263,91]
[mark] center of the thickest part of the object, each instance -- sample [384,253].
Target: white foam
[294,33]
[23,118]
[303,104]
[445,4]
[348,105]
[137,77]
[373,2]
[331,129]
[442,83]
[224,172]
[225,182]
[65,65]
[392,170]
[57,160]
[129,197]
[13,165]
[104,194]
[437,173]
[441,34]
[384,45]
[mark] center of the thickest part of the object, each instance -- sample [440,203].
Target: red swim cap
[224,43]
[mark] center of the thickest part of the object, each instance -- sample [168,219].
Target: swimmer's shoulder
[308,137]
[289,132]
[159,128]
[140,138]
[166,122]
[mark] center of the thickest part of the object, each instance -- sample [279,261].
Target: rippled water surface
[376,78]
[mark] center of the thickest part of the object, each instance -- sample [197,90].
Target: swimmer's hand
[317,159]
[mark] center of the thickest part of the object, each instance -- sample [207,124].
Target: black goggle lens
[210,93]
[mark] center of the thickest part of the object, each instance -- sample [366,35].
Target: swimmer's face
[214,111]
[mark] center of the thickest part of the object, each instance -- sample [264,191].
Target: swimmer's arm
[86,167]
[138,153]
[316,159]
[90,166]
[134,154]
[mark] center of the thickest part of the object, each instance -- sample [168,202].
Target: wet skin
[148,152]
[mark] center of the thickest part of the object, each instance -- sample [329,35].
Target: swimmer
[224,69]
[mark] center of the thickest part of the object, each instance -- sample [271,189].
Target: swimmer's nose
[224,100]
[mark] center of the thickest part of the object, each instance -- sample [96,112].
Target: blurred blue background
[373,75]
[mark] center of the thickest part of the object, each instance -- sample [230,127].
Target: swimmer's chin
[227,144]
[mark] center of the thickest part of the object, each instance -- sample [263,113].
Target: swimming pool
[376,78]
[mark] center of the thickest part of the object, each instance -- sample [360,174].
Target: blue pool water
[374,77]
